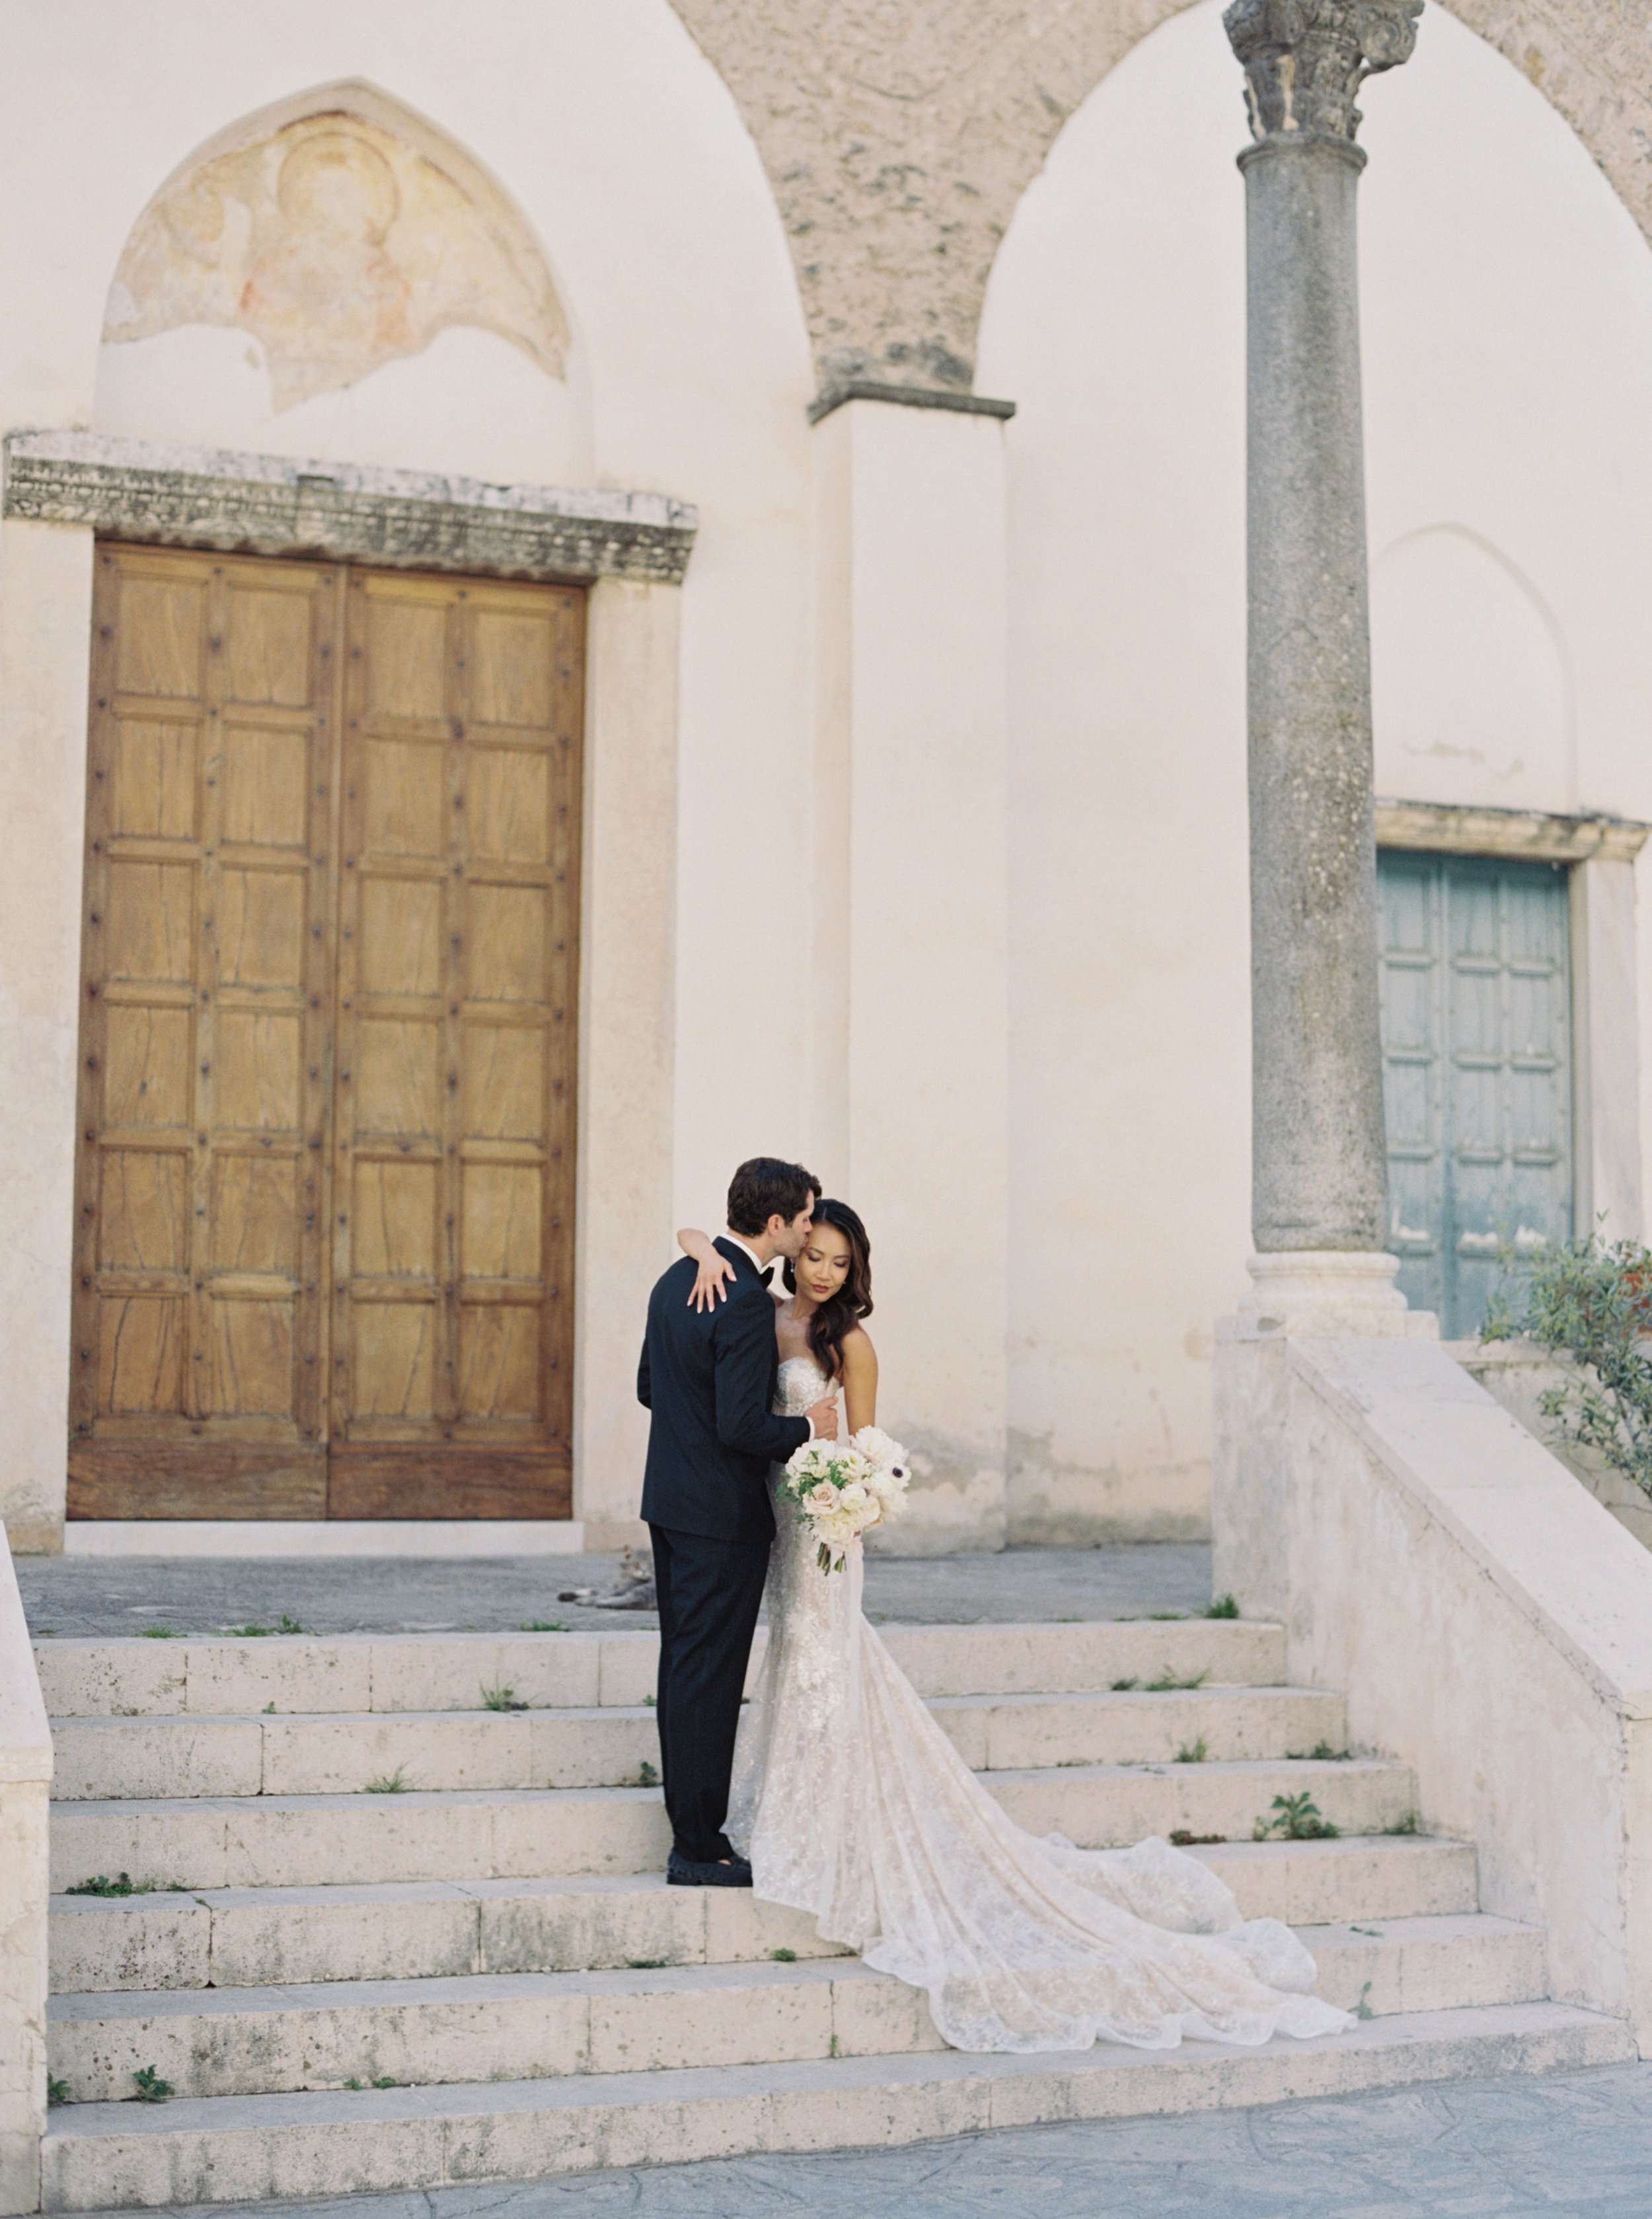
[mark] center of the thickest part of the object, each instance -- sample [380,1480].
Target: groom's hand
[823,1419]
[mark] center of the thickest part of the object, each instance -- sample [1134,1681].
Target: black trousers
[709,1595]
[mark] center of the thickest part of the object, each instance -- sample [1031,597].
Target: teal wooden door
[1477,1072]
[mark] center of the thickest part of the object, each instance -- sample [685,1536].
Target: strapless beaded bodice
[798,1385]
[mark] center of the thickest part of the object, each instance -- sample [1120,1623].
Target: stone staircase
[386,1933]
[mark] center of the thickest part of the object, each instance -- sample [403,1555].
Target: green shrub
[1590,1300]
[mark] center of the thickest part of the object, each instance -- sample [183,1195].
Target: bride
[853,1806]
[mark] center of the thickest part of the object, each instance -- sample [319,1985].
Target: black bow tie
[766,1274]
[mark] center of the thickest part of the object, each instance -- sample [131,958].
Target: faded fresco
[338,247]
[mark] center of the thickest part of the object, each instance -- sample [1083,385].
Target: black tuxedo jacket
[708,1378]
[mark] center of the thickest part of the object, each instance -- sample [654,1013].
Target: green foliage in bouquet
[1590,1300]
[842,1489]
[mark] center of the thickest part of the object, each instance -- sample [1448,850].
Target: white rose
[822,1495]
[853,1496]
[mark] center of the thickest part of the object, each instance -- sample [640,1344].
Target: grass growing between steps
[1194,1752]
[123,1884]
[501,1699]
[1296,1818]
[389,1783]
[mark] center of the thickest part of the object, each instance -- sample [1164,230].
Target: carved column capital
[1304,60]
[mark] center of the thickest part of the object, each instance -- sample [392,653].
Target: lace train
[853,1806]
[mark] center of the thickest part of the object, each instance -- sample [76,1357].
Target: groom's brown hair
[766,1187]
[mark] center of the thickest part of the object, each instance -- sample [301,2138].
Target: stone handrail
[1492,1623]
[1517,1374]
[25,1780]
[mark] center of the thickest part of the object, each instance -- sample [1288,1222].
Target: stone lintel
[1444,828]
[179,496]
[907,396]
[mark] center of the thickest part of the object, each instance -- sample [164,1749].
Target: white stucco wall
[1507,306]
[688,373]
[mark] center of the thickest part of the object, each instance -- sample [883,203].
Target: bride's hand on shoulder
[711,1280]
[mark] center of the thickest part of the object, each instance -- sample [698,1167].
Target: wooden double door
[325,1207]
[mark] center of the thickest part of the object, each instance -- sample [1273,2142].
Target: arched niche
[1471,699]
[334,276]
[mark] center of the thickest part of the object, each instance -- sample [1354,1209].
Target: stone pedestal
[1261,1442]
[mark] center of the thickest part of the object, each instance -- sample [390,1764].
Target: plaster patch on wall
[337,244]
[1051,1504]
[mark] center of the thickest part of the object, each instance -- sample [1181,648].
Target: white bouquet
[843,1489]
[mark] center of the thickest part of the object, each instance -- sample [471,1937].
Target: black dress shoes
[685,1872]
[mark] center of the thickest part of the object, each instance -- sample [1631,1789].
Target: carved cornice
[1304,60]
[906,396]
[402,519]
[1447,829]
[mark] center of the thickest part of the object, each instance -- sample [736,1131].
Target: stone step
[262,1937]
[317,1754]
[92,1677]
[529,2026]
[236,2148]
[289,1841]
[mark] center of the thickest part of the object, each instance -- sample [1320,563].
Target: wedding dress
[853,1806]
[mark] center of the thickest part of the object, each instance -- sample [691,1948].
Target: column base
[1301,1294]
[1330,1294]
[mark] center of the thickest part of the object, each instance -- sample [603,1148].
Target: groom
[707,1378]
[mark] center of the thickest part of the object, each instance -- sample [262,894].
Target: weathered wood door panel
[326,1206]
[453,1231]
[199,1295]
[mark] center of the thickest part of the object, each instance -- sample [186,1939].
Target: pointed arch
[341,230]
[1472,688]
[898,142]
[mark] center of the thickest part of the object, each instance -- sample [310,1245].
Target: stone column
[1319,1176]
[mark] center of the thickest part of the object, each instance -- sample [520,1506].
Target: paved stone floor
[207,1595]
[1470,2150]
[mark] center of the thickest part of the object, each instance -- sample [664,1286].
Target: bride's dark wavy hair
[833,1322]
